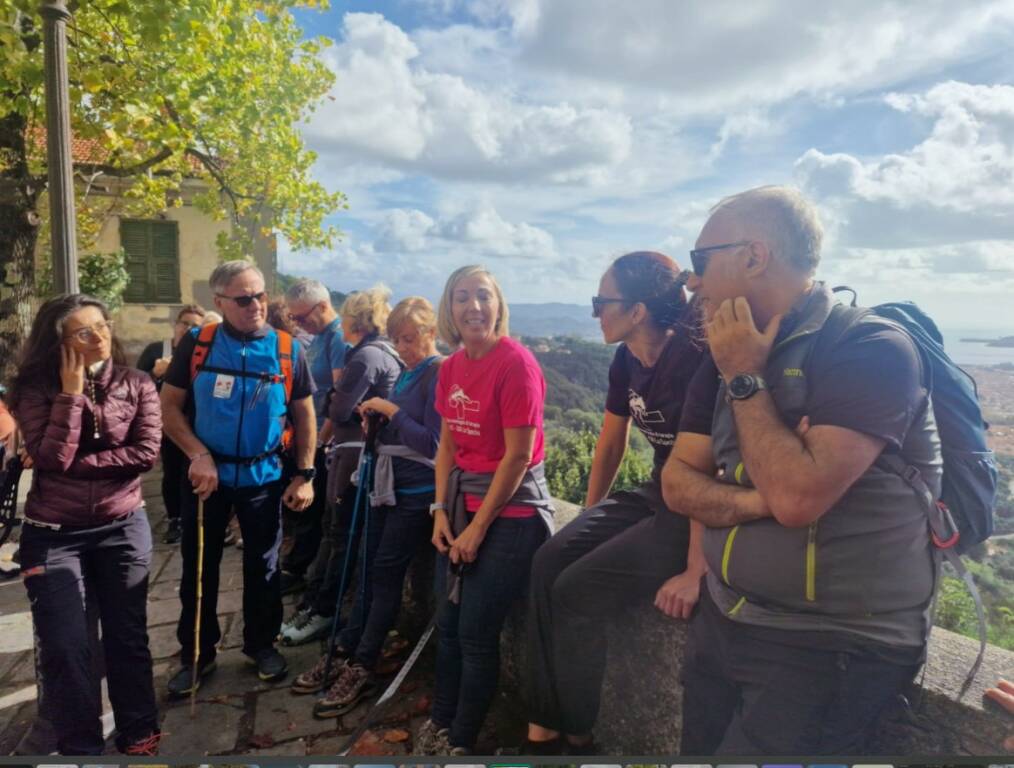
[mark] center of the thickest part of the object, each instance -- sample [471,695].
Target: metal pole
[58,152]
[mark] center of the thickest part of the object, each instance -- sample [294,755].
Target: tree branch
[131,170]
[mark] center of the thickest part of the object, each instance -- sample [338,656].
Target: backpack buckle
[943,529]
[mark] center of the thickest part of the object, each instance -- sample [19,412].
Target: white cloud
[396,112]
[955,186]
[480,232]
[711,57]
[403,230]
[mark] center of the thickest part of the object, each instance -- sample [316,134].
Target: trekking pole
[197,616]
[362,492]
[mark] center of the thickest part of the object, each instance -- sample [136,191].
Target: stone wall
[641,705]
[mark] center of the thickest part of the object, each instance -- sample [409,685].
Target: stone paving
[236,713]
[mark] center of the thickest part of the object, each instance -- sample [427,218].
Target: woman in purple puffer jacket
[92,426]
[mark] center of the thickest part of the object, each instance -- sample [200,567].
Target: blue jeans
[395,535]
[468,644]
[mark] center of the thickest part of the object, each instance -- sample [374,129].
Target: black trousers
[64,570]
[616,553]
[174,475]
[259,512]
[749,695]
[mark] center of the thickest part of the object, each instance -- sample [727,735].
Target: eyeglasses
[599,303]
[699,256]
[245,301]
[101,330]
[301,319]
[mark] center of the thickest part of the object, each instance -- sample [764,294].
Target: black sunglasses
[244,301]
[599,303]
[699,256]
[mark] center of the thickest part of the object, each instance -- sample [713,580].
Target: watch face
[742,386]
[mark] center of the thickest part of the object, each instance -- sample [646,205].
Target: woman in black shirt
[625,545]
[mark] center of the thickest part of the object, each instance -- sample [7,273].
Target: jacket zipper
[242,410]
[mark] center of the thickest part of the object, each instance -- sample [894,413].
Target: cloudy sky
[546,137]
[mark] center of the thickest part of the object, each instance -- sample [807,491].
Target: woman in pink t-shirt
[492,505]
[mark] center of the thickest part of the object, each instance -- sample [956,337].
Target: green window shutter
[135,243]
[152,250]
[165,260]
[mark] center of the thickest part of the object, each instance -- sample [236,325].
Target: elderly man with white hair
[309,304]
[814,612]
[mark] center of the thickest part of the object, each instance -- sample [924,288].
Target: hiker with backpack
[371,368]
[154,360]
[399,524]
[492,508]
[625,546]
[817,487]
[92,427]
[227,397]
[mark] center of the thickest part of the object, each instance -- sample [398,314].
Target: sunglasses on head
[245,301]
[699,256]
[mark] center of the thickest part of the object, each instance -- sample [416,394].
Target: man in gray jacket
[814,612]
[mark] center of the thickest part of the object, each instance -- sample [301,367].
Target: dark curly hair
[39,362]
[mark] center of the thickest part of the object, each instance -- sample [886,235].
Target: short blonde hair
[445,319]
[415,310]
[367,310]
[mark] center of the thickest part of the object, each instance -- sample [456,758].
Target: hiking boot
[144,747]
[304,627]
[312,680]
[353,684]
[292,583]
[431,739]
[181,683]
[174,532]
[271,665]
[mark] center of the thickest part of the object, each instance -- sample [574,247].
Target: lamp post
[58,151]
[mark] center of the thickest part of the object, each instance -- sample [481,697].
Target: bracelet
[197,456]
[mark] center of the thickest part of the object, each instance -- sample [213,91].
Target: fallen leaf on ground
[396,736]
[409,686]
[262,741]
[422,704]
[368,744]
[222,698]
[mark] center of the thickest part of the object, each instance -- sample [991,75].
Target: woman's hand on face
[442,535]
[465,548]
[72,370]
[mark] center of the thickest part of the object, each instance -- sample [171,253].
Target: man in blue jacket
[227,399]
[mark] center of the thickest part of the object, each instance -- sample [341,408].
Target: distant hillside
[576,371]
[554,319]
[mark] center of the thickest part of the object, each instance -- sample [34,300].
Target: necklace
[90,381]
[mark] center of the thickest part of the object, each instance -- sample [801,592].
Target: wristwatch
[307,474]
[745,385]
[437,505]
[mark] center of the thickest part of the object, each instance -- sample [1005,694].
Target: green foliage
[169,90]
[568,464]
[104,276]
[995,580]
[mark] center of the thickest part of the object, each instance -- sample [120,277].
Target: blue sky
[546,137]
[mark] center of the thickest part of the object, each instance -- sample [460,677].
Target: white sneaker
[304,627]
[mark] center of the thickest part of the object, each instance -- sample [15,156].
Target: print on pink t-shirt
[479,399]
